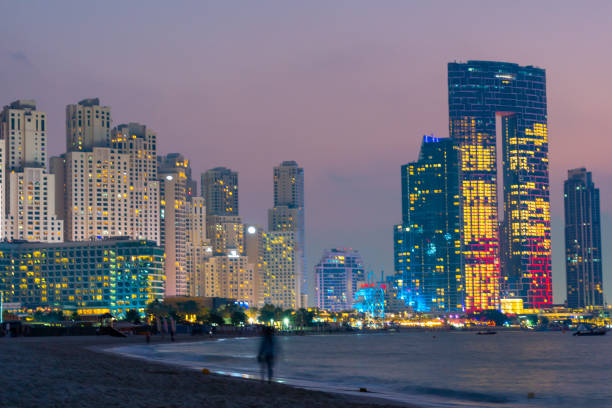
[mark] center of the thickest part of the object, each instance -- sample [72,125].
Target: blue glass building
[90,277]
[337,276]
[427,243]
[582,240]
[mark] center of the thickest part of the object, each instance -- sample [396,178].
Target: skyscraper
[220,191]
[337,275]
[280,283]
[428,243]
[198,248]
[254,249]
[88,125]
[582,240]
[174,210]
[107,180]
[96,193]
[501,107]
[287,215]
[139,144]
[27,191]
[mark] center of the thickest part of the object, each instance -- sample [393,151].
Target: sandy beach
[76,372]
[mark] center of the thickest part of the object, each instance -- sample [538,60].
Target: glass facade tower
[428,243]
[582,240]
[486,98]
[337,276]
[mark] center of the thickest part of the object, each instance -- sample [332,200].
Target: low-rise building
[91,277]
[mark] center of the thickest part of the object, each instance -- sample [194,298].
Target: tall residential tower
[582,240]
[26,189]
[286,234]
[220,191]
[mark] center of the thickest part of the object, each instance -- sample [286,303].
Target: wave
[463,395]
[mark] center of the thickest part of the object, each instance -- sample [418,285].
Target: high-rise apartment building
[582,240]
[107,180]
[27,191]
[96,193]
[172,174]
[280,282]
[498,111]
[220,191]
[198,247]
[428,243]
[287,215]
[254,249]
[230,276]
[88,125]
[225,234]
[337,276]
[139,144]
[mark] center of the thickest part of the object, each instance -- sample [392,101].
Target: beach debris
[205,371]
[530,395]
[363,389]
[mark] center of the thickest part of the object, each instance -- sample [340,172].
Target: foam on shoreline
[433,400]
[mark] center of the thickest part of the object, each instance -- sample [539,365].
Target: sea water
[437,369]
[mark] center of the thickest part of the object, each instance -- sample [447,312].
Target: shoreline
[378,397]
[82,372]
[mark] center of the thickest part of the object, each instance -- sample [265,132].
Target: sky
[345,88]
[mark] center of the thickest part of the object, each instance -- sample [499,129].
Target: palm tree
[303,318]
[157,308]
[132,316]
[215,318]
[266,313]
[238,317]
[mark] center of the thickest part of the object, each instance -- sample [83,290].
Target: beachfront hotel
[515,260]
[91,277]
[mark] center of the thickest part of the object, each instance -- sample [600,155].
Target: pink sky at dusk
[345,88]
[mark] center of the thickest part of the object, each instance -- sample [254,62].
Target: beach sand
[65,372]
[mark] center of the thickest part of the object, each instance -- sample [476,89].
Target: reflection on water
[450,369]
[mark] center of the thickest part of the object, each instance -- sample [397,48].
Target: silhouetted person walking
[267,351]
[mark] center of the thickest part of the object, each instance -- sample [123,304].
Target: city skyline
[356,190]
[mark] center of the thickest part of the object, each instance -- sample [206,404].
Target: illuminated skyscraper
[428,243]
[582,240]
[280,283]
[139,144]
[220,191]
[88,125]
[198,247]
[172,173]
[497,106]
[107,180]
[26,190]
[287,215]
[337,275]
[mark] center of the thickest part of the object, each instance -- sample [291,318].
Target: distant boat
[590,330]
[486,332]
